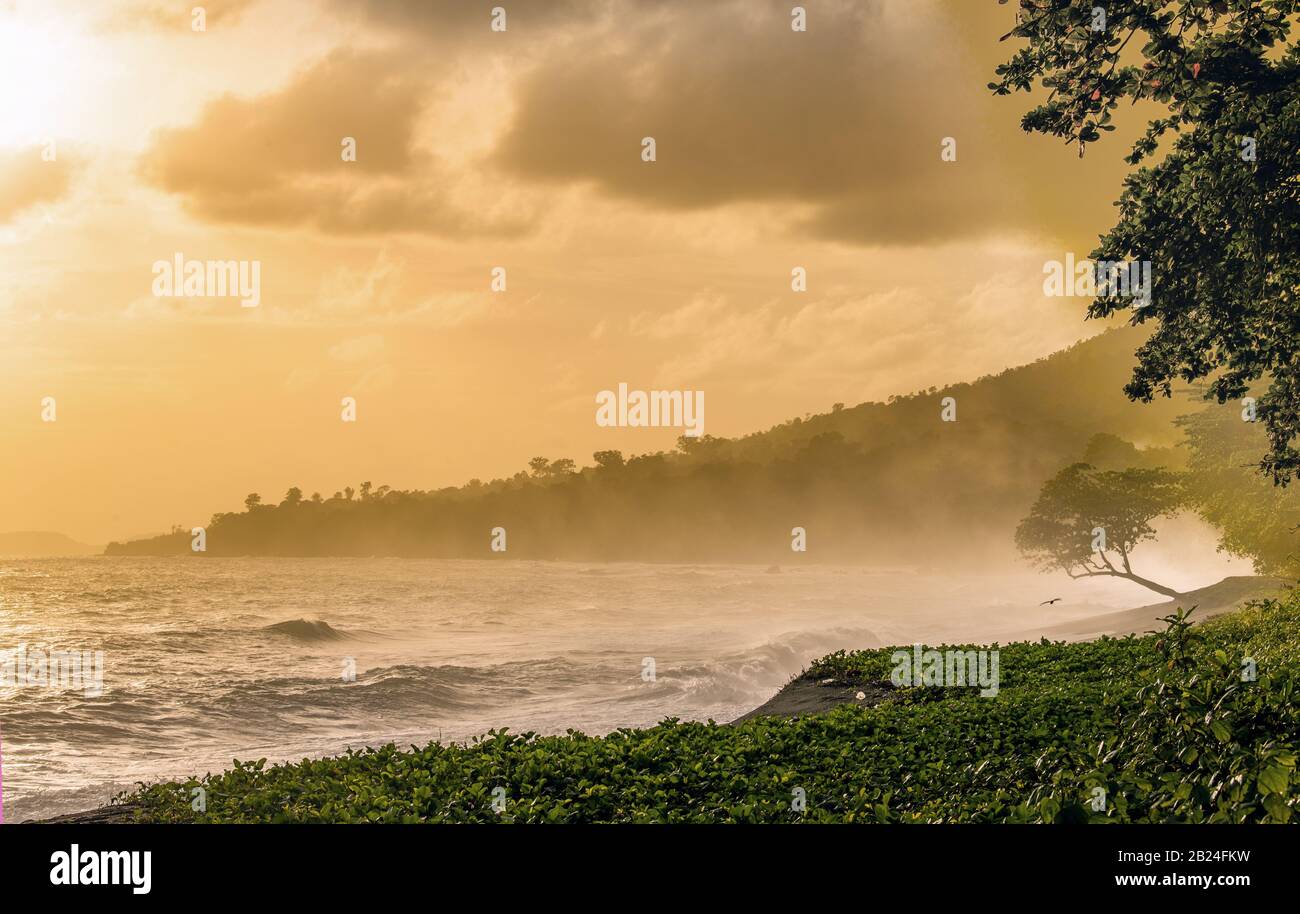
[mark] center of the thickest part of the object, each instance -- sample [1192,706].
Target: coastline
[808,694]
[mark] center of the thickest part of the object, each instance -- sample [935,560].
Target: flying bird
[1050,602]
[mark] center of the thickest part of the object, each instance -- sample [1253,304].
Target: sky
[128,136]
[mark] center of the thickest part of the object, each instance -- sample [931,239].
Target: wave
[740,677]
[308,630]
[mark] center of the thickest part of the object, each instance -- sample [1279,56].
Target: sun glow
[47,74]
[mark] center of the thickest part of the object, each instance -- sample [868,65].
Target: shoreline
[805,695]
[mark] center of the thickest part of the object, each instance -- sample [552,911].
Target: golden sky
[476,149]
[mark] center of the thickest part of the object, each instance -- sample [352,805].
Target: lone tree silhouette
[1087,522]
[1218,217]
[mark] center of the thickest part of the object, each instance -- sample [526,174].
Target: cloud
[349,293]
[166,15]
[27,180]
[358,349]
[893,339]
[302,379]
[364,352]
[385,292]
[843,123]
[379,378]
[459,21]
[276,160]
[839,128]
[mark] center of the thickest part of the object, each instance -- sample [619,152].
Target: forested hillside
[874,483]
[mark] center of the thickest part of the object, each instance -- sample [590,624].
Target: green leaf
[1274,779]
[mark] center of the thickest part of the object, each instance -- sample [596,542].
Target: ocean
[209,660]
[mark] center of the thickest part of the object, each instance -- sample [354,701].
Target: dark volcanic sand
[804,696]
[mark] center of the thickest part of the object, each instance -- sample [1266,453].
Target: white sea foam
[210,660]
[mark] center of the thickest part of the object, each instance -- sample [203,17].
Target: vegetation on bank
[912,481]
[1091,516]
[1196,724]
[919,489]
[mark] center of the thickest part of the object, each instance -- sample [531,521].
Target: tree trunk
[1149,585]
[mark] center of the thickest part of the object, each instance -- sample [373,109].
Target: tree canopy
[1087,522]
[1255,520]
[1217,212]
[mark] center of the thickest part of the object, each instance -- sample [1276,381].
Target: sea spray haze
[322,654]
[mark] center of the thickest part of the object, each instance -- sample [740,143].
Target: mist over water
[210,660]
